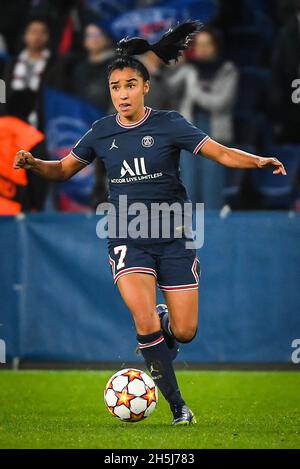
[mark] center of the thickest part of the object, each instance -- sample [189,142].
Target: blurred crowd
[239,82]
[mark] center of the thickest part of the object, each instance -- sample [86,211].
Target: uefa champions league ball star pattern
[130,395]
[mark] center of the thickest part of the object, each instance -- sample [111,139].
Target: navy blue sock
[157,358]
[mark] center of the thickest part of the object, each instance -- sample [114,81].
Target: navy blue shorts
[174,267]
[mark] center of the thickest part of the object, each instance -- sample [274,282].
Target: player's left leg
[179,318]
[183,314]
[180,323]
[178,278]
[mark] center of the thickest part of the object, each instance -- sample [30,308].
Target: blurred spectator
[286,69]
[210,89]
[19,190]
[286,10]
[158,96]
[202,86]
[89,82]
[13,17]
[89,78]
[28,69]
[65,20]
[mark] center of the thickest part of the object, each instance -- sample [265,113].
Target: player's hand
[24,159]
[274,163]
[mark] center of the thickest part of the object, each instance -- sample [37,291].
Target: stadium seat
[252,128]
[252,125]
[253,87]
[247,46]
[261,10]
[278,191]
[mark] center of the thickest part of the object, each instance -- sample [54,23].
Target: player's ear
[146,87]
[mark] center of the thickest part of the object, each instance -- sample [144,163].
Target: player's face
[127,90]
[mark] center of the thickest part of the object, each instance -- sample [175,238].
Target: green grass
[55,409]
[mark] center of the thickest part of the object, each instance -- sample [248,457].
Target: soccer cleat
[182,415]
[170,340]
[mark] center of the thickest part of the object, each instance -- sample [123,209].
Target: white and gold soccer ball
[130,395]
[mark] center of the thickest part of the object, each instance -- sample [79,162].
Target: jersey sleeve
[185,135]
[83,150]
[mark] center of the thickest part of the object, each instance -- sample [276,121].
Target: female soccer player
[140,148]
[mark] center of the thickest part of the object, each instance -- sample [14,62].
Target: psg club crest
[147,141]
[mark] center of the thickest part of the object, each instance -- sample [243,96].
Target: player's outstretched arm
[234,158]
[60,170]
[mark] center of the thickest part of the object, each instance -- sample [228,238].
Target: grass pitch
[55,409]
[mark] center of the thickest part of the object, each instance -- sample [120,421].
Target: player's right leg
[139,293]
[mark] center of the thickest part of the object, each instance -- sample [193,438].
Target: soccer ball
[130,395]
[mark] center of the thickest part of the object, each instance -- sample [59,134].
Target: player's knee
[185,334]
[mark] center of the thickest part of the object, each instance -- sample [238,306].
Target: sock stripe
[151,344]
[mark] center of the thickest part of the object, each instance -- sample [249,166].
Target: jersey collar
[134,124]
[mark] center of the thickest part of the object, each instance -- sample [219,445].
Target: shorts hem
[192,286]
[135,270]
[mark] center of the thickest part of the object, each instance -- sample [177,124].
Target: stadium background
[57,299]
[58,306]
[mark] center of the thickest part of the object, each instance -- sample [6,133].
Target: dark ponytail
[169,47]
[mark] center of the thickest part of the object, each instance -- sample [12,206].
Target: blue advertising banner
[58,300]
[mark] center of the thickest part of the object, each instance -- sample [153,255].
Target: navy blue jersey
[142,159]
